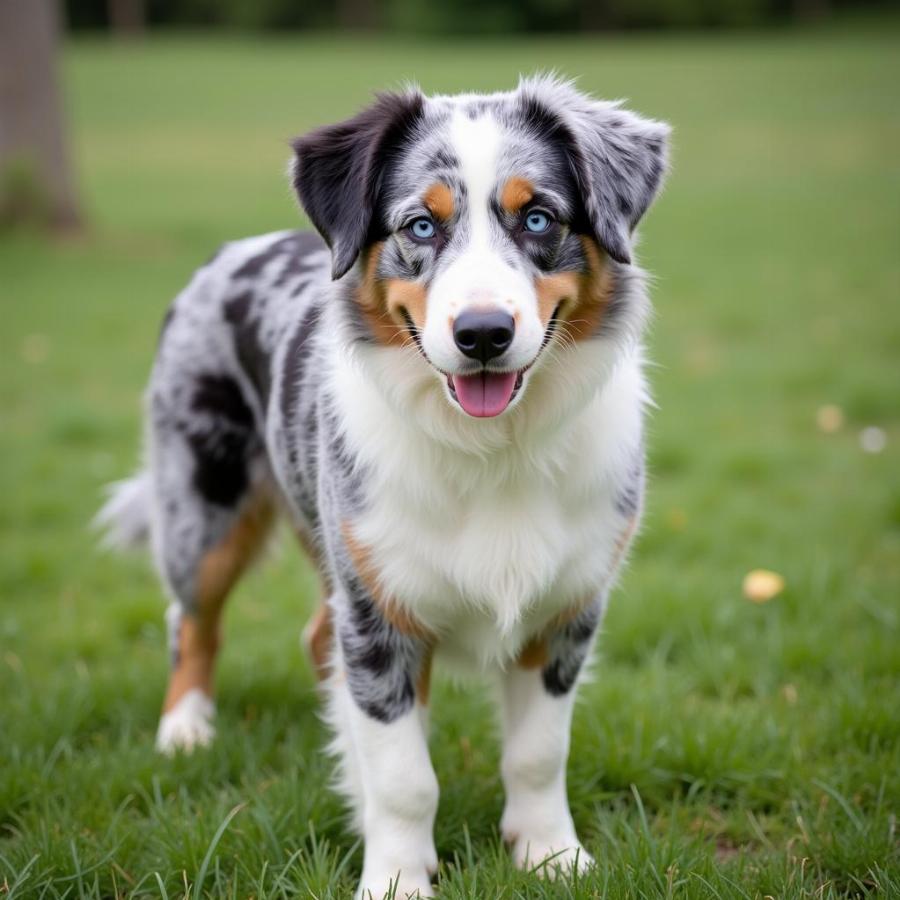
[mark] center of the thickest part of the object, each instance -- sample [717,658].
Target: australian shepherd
[442,393]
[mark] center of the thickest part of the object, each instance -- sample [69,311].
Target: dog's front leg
[538,695]
[400,796]
[378,696]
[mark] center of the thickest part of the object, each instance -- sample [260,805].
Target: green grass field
[724,749]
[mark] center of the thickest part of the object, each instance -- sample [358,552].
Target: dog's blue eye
[537,222]
[422,228]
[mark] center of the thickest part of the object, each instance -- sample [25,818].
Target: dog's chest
[484,553]
[484,531]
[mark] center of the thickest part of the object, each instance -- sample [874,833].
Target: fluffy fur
[325,380]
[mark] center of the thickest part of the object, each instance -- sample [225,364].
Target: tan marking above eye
[516,193]
[439,200]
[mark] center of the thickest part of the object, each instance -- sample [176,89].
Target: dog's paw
[187,725]
[377,886]
[552,858]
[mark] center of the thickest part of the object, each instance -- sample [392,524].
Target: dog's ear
[618,159]
[337,171]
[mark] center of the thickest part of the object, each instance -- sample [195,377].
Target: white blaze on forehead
[476,143]
[477,274]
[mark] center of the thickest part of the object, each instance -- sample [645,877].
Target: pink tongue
[485,394]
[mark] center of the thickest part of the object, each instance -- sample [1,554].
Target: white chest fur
[485,529]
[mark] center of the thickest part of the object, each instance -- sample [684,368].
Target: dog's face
[482,227]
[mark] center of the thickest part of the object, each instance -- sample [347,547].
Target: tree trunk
[35,174]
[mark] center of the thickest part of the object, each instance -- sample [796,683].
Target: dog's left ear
[618,159]
[337,171]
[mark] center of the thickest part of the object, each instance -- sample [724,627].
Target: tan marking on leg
[582,297]
[534,654]
[197,649]
[423,682]
[407,295]
[319,630]
[398,616]
[439,200]
[219,569]
[319,635]
[516,193]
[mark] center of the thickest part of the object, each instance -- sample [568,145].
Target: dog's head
[482,227]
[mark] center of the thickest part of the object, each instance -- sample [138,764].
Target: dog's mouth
[485,393]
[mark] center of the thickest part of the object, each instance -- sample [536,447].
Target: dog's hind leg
[213,505]
[194,630]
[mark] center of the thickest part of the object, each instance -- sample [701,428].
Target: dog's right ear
[337,171]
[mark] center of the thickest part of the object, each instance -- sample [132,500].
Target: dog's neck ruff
[489,520]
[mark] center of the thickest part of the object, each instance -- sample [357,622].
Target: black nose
[483,335]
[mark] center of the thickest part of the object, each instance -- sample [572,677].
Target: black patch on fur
[380,661]
[297,264]
[294,248]
[416,265]
[294,267]
[300,436]
[251,354]
[443,158]
[237,308]
[295,358]
[568,648]
[222,443]
[251,268]
[338,171]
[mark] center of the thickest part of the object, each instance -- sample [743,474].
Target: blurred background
[742,729]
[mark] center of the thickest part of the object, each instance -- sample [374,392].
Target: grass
[724,749]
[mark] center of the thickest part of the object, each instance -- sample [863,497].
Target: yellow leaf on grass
[761,585]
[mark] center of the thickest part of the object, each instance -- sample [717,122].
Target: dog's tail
[124,520]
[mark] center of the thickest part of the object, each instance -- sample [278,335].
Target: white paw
[410,884]
[187,725]
[552,858]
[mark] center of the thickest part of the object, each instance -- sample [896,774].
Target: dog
[442,392]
